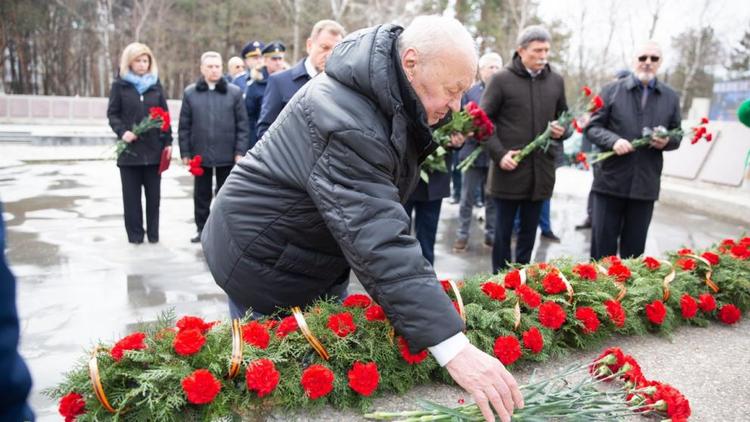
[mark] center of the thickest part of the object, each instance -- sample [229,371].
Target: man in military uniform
[282,86]
[273,59]
[251,53]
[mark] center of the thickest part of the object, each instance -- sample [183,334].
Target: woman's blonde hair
[131,52]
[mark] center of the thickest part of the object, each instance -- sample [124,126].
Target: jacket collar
[299,71]
[202,85]
[632,83]
[516,66]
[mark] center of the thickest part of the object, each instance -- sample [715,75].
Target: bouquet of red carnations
[157,118]
[471,121]
[195,166]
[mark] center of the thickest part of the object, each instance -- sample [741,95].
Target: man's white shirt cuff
[446,350]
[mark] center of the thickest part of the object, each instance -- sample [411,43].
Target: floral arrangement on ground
[343,354]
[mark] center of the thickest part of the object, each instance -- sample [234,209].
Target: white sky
[728,18]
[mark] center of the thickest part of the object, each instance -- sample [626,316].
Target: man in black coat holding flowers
[521,100]
[626,186]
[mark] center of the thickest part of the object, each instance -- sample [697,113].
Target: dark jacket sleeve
[352,186]
[492,101]
[242,130]
[596,131]
[15,382]
[165,137]
[114,111]
[675,121]
[561,107]
[271,107]
[184,128]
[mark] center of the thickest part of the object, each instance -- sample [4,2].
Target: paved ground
[79,280]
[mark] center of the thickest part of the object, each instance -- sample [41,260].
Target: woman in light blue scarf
[133,94]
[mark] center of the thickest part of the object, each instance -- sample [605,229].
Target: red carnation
[270,324]
[411,359]
[191,322]
[634,375]
[261,376]
[512,279]
[706,302]
[688,306]
[529,296]
[729,314]
[585,271]
[374,313]
[195,166]
[494,291]
[620,272]
[672,402]
[740,251]
[553,284]
[134,341]
[687,264]
[612,260]
[364,378]
[551,315]
[507,349]
[533,340]
[201,387]
[616,312]
[287,326]
[711,257]
[595,104]
[614,354]
[655,311]
[651,263]
[745,241]
[71,405]
[341,324]
[188,342]
[685,251]
[357,301]
[589,319]
[317,381]
[256,334]
[586,91]
[578,129]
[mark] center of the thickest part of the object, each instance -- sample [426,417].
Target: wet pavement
[79,280]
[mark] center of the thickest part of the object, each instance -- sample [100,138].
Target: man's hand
[488,382]
[129,136]
[658,142]
[622,147]
[185,161]
[507,162]
[556,130]
[237,158]
[457,140]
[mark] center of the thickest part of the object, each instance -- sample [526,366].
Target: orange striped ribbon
[314,342]
[237,346]
[96,381]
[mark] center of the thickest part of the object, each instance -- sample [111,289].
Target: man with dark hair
[521,100]
[626,186]
[282,86]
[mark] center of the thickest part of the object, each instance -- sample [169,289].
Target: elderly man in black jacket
[626,186]
[214,125]
[322,192]
[521,100]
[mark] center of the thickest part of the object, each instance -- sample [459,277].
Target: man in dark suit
[15,381]
[282,86]
[273,60]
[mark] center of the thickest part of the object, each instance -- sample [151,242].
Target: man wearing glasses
[626,186]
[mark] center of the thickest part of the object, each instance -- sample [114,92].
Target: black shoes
[585,225]
[552,237]
[196,238]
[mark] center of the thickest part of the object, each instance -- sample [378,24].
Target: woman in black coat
[135,91]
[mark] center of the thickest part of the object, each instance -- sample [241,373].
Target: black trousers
[202,192]
[619,220]
[529,213]
[426,217]
[135,180]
